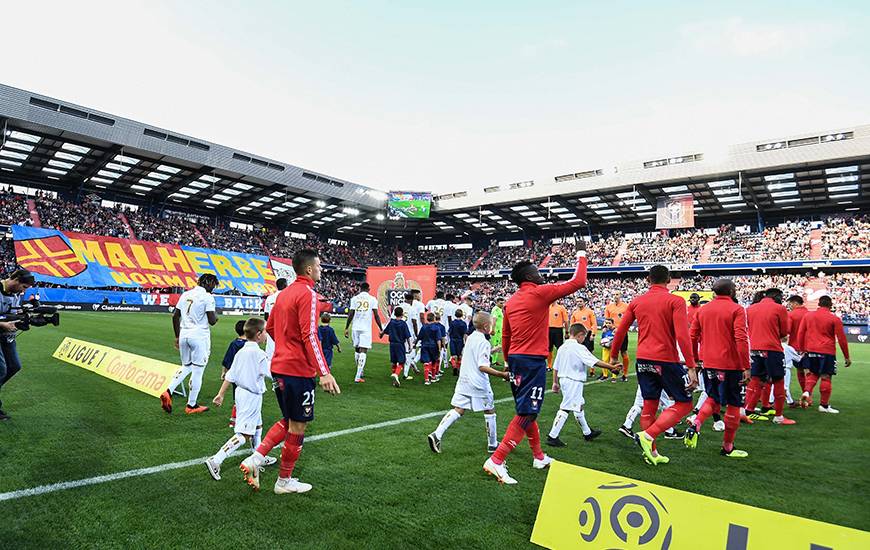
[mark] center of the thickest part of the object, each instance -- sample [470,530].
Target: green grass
[375,489]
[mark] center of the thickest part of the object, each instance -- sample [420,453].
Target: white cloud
[736,36]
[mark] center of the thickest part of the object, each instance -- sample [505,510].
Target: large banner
[389,284]
[82,260]
[583,508]
[136,371]
[676,212]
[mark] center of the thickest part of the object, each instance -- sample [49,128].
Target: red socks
[753,392]
[732,422]
[625,363]
[275,435]
[709,407]
[512,437]
[810,383]
[534,436]
[765,396]
[397,368]
[669,418]
[825,389]
[779,396]
[802,378]
[290,454]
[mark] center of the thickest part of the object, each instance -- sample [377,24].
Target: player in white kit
[249,369]
[193,315]
[447,317]
[473,391]
[363,307]
[467,307]
[412,319]
[268,304]
[572,361]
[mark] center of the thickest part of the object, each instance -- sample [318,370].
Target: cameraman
[10,296]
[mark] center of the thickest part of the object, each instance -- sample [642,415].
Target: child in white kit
[249,369]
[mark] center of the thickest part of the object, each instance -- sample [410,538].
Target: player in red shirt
[816,337]
[694,307]
[661,325]
[298,359]
[720,329]
[768,325]
[524,345]
[796,313]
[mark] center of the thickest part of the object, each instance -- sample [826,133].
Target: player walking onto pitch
[819,331]
[497,316]
[363,307]
[297,361]
[720,328]
[524,341]
[661,326]
[247,372]
[193,315]
[472,389]
[569,373]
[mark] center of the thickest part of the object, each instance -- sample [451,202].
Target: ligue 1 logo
[392,293]
[622,513]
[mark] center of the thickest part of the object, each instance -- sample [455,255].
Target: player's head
[459,313]
[774,294]
[449,297]
[578,331]
[19,281]
[325,318]
[438,317]
[526,272]
[306,263]
[757,296]
[439,295]
[240,327]
[430,317]
[468,299]
[617,297]
[794,301]
[398,312]
[208,281]
[826,302]
[255,330]
[694,298]
[418,294]
[409,297]
[581,302]
[724,287]
[659,275]
[499,301]
[364,287]
[281,283]
[482,322]
[608,323]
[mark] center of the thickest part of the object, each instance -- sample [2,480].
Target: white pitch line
[64,485]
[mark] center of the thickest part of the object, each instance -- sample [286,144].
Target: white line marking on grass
[64,485]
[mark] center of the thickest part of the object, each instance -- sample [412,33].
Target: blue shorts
[456,346]
[723,386]
[295,396]
[767,365]
[397,353]
[821,363]
[655,376]
[528,375]
[429,354]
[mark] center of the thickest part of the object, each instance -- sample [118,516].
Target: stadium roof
[51,144]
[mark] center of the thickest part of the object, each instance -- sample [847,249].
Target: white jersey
[409,319]
[269,303]
[418,308]
[476,354]
[193,305]
[792,357]
[436,306]
[572,360]
[467,312]
[249,369]
[449,314]
[363,305]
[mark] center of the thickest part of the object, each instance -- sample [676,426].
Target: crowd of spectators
[785,242]
[680,246]
[846,237]
[13,207]
[80,217]
[167,228]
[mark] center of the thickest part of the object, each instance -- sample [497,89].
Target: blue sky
[446,96]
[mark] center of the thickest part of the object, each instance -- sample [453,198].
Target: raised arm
[553,292]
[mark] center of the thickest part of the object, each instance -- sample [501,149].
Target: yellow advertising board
[583,508]
[142,373]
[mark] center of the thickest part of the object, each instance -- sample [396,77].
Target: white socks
[449,418]
[581,418]
[492,437]
[178,378]
[633,412]
[195,384]
[233,443]
[558,423]
[360,364]
[255,440]
[409,360]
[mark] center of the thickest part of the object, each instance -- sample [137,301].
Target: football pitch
[379,487]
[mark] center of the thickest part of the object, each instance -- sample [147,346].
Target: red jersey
[692,311]
[524,327]
[720,328]
[768,325]
[795,317]
[292,325]
[818,331]
[661,325]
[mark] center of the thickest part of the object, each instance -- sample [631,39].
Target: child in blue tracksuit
[327,337]
[430,338]
[400,342]
[458,330]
